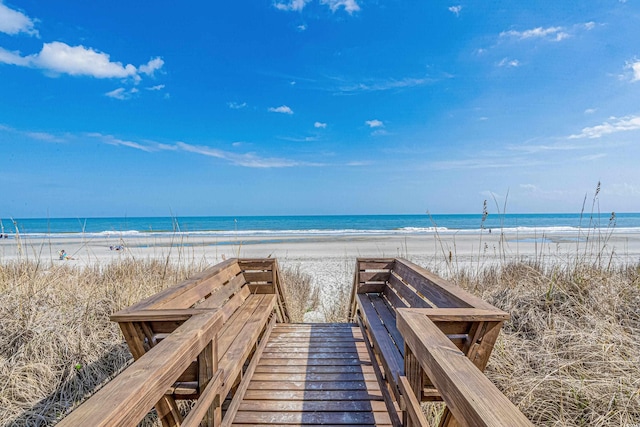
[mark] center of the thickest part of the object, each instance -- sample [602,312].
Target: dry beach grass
[568,357]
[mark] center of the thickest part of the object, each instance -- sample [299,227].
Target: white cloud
[282,109]
[13,22]
[455,9]
[60,58]
[635,70]
[388,84]
[80,61]
[117,94]
[506,62]
[349,6]
[292,5]
[319,125]
[44,136]
[375,123]
[550,33]
[358,163]
[111,140]
[300,139]
[249,160]
[301,27]
[156,87]
[237,105]
[622,124]
[122,93]
[151,67]
[590,110]
[589,25]
[13,58]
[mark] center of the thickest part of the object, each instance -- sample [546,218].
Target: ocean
[225,226]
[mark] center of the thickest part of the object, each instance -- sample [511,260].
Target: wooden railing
[432,340]
[472,399]
[131,395]
[198,340]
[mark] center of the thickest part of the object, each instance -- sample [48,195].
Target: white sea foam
[110,234]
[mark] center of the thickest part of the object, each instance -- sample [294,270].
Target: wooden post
[413,372]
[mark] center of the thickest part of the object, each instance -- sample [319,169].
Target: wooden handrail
[470,396]
[129,396]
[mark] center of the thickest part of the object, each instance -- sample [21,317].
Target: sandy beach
[429,248]
[330,260]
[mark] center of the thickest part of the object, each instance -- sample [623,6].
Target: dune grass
[56,341]
[570,354]
[568,357]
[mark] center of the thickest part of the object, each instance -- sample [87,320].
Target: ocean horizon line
[229,226]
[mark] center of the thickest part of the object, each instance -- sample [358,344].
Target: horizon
[584,214]
[317,107]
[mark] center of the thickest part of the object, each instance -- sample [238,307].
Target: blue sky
[317,107]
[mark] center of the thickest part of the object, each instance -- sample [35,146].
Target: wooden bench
[246,292]
[128,398]
[384,286]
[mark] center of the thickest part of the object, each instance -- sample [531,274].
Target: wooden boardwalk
[314,374]
[222,338]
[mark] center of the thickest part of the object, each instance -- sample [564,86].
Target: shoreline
[330,260]
[438,247]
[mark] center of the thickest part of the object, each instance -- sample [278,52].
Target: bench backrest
[407,285]
[462,319]
[222,289]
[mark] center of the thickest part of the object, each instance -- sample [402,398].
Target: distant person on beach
[64,255]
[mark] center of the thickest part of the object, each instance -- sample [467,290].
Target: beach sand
[330,260]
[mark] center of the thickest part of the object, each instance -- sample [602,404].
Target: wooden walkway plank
[314,375]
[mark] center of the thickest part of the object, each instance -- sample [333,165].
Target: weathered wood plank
[314,385]
[312,405]
[129,396]
[221,295]
[318,344]
[311,377]
[462,314]
[388,320]
[374,276]
[262,288]
[324,395]
[441,292]
[318,349]
[362,355]
[244,383]
[233,359]
[258,276]
[408,294]
[187,297]
[375,287]
[314,362]
[391,356]
[234,325]
[315,369]
[394,300]
[301,418]
[471,397]
[155,300]
[374,263]
[309,425]
[412,405]
[205,404]
[234,303]
[147,315]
